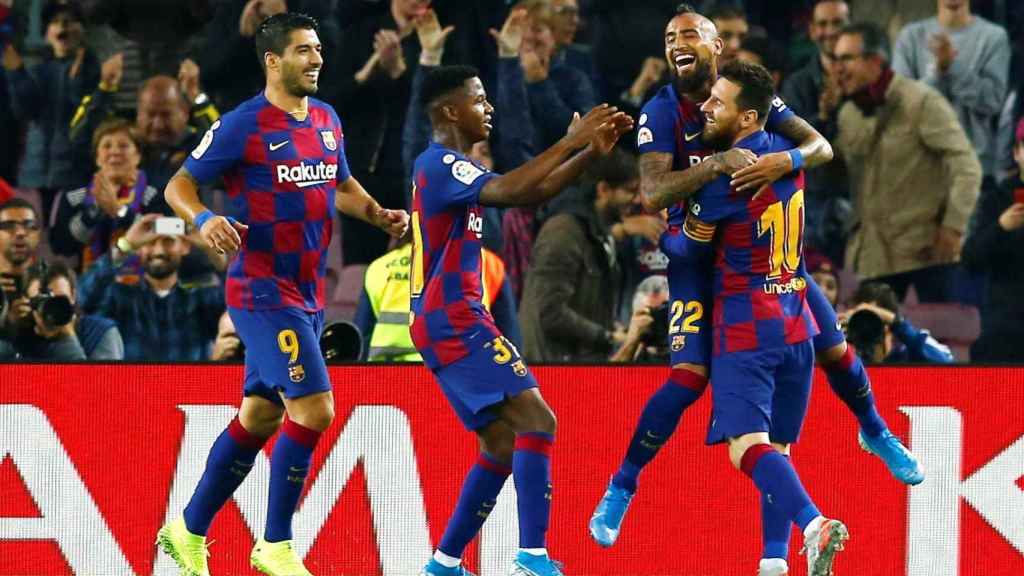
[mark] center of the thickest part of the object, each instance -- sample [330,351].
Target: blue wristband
[797,157]
[201,218]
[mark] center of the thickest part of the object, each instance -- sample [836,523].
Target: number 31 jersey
[447,315]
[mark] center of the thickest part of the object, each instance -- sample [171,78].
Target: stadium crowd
[915,230]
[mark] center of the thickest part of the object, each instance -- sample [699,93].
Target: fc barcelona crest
[678,342]
[329,141]
[296,373]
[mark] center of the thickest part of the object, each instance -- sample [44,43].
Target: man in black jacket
[995,246]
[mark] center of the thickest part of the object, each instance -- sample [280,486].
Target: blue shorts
[282,352]
[831,332]
[761,391]
[689,313]
[492,372]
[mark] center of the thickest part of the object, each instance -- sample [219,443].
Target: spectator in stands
[880,334]
[916,174]
[646,338]
[760,50]
[370,82]
[383,312]
[555,90]
[45,96]
[227,346]
[159,318]
[89,220]
[967,59]
[996,247]
[569,302]
[19,242]
[813,93]
[54,331]
[731,21]
[624,34]
[652,71]
[825,275]
[566,24]
[169,120]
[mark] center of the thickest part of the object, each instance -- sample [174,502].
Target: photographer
[880,334]
[646,338]
[54,331]
[19,240]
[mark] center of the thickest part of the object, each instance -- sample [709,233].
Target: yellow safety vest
[387,286]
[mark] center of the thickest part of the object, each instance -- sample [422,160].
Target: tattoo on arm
[662,187]
[815,149]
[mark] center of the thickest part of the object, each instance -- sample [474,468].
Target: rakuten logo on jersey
[306,174]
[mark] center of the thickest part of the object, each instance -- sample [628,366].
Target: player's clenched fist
[394,222]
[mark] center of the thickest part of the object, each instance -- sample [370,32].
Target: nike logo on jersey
[277,146]
[690,137]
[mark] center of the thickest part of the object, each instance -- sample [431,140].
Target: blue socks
[775,529]
[228,464]
[849,381]
[531,470]
[657,423]
[776,478]
[479,493]
[289,466]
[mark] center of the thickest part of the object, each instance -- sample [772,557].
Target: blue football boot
[607,519]
[900,461]
[530,565]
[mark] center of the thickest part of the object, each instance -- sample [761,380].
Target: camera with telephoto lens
[56,311]
[865,331]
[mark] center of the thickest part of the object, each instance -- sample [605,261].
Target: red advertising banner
[93,459]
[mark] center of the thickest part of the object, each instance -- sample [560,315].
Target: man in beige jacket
[915,175]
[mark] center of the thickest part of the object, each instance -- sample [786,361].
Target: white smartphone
[169,226]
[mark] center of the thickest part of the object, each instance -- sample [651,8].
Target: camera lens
[56,311]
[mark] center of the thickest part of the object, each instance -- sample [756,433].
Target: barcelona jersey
[673,124]
[281,174]
[760,294]
[448,318]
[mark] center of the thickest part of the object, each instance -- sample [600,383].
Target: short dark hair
[274,33]
[47,272]
[55,8]
[617,168]
[17,202]
[756,87]
[876,42]
[442,80]
[878,292]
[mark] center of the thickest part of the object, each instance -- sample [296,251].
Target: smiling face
[826,22]
[854,70]
[299,65]
[723,117]
[471,110]
[116,154]
[691,49]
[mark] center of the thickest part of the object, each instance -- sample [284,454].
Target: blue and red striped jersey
[673,124]
[758,286]
[281,174]
[447,225]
